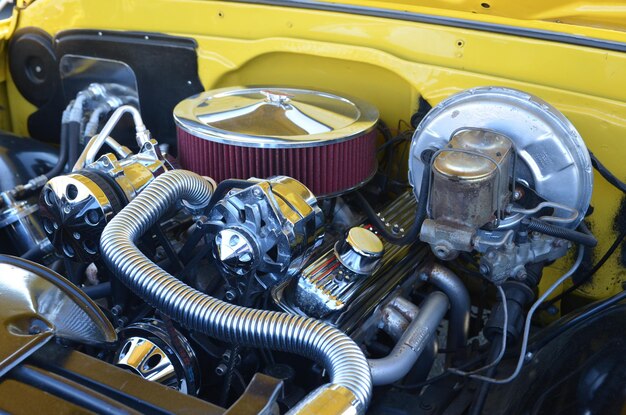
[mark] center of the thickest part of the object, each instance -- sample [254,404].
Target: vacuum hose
[351,381]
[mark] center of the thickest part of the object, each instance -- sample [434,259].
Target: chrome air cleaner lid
[274,117]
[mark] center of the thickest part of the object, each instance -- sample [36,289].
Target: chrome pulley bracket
[552,158]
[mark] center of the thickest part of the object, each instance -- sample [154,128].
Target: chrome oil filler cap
[360,251]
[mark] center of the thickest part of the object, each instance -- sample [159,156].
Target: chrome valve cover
[327,289]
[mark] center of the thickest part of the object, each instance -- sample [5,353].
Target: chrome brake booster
[501,158]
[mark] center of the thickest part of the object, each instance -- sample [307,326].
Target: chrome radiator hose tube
[351,381]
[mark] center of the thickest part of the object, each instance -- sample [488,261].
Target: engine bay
[329,240]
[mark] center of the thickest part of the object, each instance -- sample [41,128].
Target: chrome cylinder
[347,366]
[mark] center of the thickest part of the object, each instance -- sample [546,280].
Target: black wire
[586,277]
[412,233]
[444,375]
[608,176]
[230,371]
[73,137]
[167,247]
[538,225]
[388,156]
[478,403]
[63,150]
[384,130]
[404,136]
[186,252]
[224,187]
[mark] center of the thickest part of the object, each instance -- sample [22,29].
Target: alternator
[267,229]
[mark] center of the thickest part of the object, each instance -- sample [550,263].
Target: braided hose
[346,364]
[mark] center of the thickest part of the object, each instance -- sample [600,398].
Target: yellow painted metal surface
[589,17]
[388,62]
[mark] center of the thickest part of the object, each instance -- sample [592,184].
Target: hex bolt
[221,369]
[116,310]
[231,295]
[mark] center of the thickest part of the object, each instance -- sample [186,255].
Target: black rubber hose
[608,176]
[73,142]
[589,274]
[411,235]
[63,150]
[224,187]
[540,226]
[98,291]
[483,390]
[460,306]
[33,254]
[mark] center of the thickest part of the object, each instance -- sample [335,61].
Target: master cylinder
[471,186]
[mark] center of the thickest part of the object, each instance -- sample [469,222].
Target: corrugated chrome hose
[345,362]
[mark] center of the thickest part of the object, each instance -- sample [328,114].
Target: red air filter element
[324,141]
[325,170]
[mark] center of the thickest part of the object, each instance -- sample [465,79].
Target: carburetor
[510,179]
